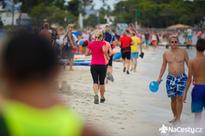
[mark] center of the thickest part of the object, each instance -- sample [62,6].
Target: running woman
[98,69]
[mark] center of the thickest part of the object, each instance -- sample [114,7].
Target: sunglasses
[173,41]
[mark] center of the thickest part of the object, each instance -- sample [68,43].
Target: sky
[99,4]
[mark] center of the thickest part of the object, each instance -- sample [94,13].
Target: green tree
[52,13]
[160,13]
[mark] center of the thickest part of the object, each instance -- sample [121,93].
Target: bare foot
[172,121]
[177,121]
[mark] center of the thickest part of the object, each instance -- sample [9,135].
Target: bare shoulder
[166,52]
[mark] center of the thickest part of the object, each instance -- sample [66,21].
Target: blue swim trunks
[134,55]
[198,98]
[175,85]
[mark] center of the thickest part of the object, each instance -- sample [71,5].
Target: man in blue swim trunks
[196,73]
[175,58]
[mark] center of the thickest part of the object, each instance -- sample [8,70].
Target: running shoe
[124,69]
[102,99]
[128,72]
[96,99]
[110,77]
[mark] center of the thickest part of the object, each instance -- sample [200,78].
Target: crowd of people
[29,80]
[67,43]
[100,43]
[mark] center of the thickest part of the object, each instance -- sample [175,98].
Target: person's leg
[180,87]
[146,42]
[173,107]
[124,65]
[109,74]
[95,88]
[179,107]
[109,70]
[132,62]
[102,75]
[71,64]
[128,65]
[135,64]
[102,91]
[128,56]
[131,65]
[198,116]
[94,74]
[124,61]
[198,102]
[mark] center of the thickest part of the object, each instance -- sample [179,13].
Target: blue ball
[154,86]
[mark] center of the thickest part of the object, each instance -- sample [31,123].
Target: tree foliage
[160,13]
[52,13]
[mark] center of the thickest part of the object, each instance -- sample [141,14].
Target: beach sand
[130,109]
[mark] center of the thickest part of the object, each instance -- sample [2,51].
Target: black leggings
[98,73]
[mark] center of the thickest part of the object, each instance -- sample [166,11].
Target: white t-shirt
[60,40]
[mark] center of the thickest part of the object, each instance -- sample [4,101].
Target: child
[197,74]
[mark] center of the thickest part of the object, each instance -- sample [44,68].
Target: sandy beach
[130,109]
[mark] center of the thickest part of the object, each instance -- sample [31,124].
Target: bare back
[45,33]
[176,60]
[198,69]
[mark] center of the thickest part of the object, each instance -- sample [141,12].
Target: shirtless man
[197,74]
[176,79]
[45,31]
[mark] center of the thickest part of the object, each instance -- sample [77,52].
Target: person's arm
[87,52]
[163,68]
[188,81]
[131,42]
[110,51]
[120,43]
[140,47]
[186,58]
[140,44]
[105,51]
